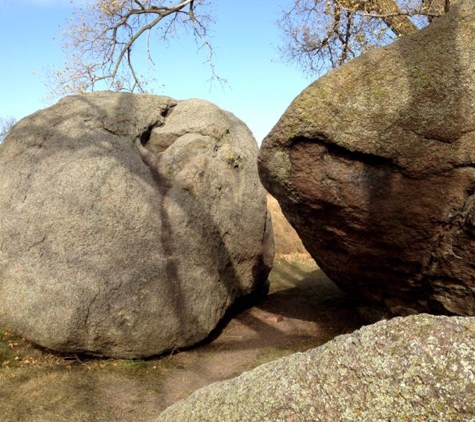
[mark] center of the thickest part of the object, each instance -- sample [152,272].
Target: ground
[303,309]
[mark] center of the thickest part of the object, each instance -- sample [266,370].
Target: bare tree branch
[102,39]
[397,21]
[6,123]
[321,34]
[435,8]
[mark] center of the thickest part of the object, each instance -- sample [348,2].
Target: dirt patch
[303,309]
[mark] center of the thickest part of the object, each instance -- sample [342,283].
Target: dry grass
[303,310]
[287,242]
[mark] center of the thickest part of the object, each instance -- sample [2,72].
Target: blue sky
[245,39]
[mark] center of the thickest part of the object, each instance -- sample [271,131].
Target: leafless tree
[6,124]
[104,36]
[100,41]
[323,34]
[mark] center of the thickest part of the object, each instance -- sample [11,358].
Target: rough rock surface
[128,223]
[374,165]
[406,369]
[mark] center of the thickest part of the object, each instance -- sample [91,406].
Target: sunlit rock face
[374,166]
[128,223]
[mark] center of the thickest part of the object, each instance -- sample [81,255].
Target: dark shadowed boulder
[374,165]
[128,223]
[406,369]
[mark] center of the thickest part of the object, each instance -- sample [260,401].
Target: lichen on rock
[405,369]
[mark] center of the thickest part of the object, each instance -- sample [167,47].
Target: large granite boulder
[406,369]
[374,165]
[128,223]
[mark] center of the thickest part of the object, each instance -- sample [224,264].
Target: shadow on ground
[303,309]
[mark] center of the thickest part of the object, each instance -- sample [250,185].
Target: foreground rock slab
[414,368]
[128,223]
[374,165]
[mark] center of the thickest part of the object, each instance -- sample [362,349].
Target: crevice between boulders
[145,136]
[164,113]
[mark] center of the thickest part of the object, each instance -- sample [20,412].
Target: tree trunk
[435,8]
[387,10]
[400,24]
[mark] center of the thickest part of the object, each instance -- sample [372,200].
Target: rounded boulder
[129,224]
[374,166]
